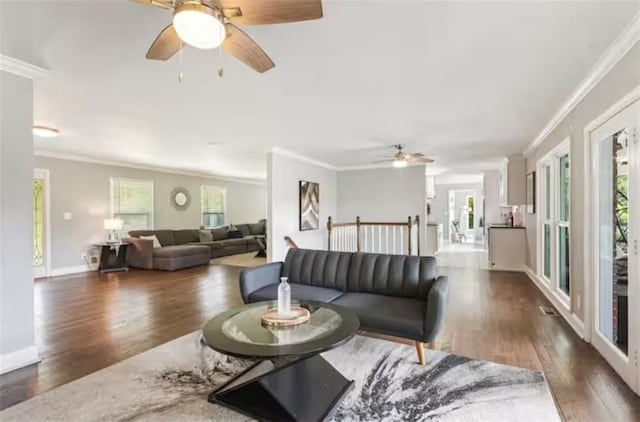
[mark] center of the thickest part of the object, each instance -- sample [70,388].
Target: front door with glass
[616,229]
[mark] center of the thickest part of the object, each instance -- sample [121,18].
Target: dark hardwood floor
[87,322]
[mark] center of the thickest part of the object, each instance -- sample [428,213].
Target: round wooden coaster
[297,316]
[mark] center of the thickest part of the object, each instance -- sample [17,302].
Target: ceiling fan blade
[165,45]
[257,12]
[164,4]
[423,160]
[414,155]
[239,44]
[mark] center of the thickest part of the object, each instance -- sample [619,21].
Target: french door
[40,223]
[615,206]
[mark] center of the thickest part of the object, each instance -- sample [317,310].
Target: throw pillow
[234,234]
[205,236]
[219,234]
[156,242]
[256,229]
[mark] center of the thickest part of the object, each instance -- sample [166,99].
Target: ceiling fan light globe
[198,28]
[400,163]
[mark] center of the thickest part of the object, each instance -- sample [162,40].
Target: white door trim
[616,359]
[44,174]
[588,246]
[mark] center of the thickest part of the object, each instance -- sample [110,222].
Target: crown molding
[160,169]
[303,158]
[20,68]
[616,51]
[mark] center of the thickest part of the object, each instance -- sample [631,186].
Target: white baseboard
[571,318]
[18,359]
[69,270]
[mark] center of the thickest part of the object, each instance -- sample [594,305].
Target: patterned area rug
[171,383]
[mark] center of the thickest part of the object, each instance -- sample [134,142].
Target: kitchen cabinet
[512,181]
[434,238]
[431,187]
[507,248]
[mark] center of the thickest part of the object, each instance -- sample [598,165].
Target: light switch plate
[66,216]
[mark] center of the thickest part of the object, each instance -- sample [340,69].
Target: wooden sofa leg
[420,350]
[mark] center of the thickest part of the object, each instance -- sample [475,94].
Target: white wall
[283,174]
[82,189]
[17,340]
[384,194]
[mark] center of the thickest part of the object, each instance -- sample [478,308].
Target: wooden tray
[298,316]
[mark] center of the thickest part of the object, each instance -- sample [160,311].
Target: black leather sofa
[394,295]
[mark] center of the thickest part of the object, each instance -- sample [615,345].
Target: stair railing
[375,236]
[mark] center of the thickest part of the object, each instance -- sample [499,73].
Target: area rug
[171,383]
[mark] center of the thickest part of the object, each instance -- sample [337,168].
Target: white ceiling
[463,82]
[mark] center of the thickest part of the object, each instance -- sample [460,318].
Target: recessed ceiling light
[45,131]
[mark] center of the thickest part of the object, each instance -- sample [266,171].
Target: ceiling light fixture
[45,131]
[198,26]
[400,163]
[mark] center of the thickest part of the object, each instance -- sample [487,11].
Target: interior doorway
[464,244]
[41,224]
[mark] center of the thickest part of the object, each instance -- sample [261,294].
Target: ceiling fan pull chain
[220,69]
[180,74]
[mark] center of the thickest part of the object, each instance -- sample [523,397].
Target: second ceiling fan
[209,24]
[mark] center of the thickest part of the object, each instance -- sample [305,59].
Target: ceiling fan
[208,24]
[403,159]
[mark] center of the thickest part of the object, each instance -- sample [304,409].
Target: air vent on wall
[548,310]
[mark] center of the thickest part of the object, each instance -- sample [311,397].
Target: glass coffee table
[291,381]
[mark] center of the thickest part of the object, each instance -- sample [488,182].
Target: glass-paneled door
[616,230]
[40,222]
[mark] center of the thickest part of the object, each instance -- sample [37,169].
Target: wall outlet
[94,259]
[66,216]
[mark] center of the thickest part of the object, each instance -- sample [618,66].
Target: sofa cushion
[257,229]
[396,316]
[394,275]
[180,250]
[219,234]
[154,239]
[244,229]
[298,291]
[317,268]
[233,242]
[185,236]
[205,236]
[164,236]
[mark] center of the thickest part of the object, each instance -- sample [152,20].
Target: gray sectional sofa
[395,295]
[184,248]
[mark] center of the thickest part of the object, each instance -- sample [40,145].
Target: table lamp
[113,225]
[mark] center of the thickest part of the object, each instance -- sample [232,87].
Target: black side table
[113,256]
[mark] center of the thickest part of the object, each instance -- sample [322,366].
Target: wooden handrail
[291,243]
[359,223]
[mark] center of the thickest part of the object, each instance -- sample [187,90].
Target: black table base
[303,390]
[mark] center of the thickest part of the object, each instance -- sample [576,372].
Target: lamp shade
[112,224]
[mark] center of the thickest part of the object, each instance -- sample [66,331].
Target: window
[132,202]
[470,213]
[213,205]
[554,250]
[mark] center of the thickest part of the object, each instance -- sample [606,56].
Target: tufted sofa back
[393,275]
